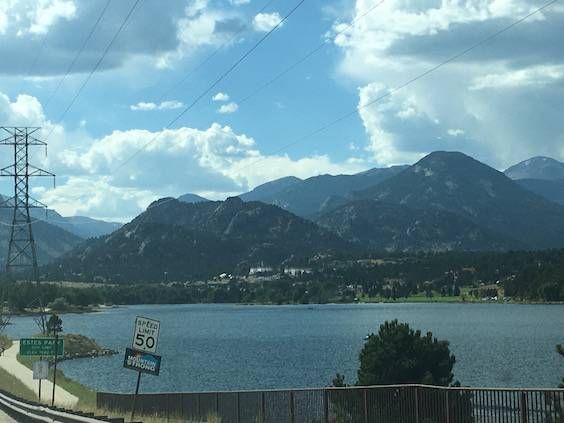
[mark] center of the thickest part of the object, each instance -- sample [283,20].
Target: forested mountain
[84,227]
[393,227]
[197,241]
[311,196]
[81,226]
[457,183]
[51,241]
[552,190]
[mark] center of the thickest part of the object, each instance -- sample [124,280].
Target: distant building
[260,270]
[297,271]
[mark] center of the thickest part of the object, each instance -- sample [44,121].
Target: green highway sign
[41,347]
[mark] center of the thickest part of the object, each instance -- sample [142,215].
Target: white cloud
[220,97]
[382,143]
[455,132]
[165,105]
[96,196]
[264,22]
[143,106]
[531,76]
[227,109]
[171,105]
[48,12]
[216,161]
[399,40]
[239,2]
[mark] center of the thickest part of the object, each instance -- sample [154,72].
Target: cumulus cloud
[165,105]
[227,109]
[220,97]
[98,177]
[47,12]
[264,22]
[400,40]
[533,76]
[177,31]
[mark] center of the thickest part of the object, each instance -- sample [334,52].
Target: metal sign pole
[135,396]
[55,369]
[40,358]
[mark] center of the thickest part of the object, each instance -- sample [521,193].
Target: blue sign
[142,361]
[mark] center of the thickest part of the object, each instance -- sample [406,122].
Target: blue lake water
[225,347]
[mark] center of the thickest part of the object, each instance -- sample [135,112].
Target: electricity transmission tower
[21,251]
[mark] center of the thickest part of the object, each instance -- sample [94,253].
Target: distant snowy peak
[537,168]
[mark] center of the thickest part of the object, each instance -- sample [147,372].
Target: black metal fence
[377,404]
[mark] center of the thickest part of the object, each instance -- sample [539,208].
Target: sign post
[142,357]
[42,347]
[40,372]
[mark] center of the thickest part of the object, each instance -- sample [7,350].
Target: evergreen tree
[398,354]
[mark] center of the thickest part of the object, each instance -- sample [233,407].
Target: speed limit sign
[146,334]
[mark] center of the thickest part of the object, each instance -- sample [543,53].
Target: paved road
[9,362]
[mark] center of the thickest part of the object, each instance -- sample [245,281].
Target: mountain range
[542,175]
[196,241]
[54,234]
[446,201]
[317,194]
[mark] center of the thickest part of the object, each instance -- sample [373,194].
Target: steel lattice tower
[21,251]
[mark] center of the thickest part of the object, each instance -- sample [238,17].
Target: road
[9,362]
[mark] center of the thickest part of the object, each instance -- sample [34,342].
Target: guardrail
[375,404]
[24,411]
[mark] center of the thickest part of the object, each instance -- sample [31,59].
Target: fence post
[238,409]
[447,406]
[292,416]
[263,407]
[326,404]
[365,405]
[167,408]
[198,407]
[523,408]
[416,405]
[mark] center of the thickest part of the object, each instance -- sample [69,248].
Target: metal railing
[24,411]
[375,404]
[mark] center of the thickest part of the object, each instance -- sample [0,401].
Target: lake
[227,347]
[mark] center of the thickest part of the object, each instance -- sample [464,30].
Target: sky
[128,109]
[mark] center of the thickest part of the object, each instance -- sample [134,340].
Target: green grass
[5,342]
[86,396]
[14,386]
[464,297]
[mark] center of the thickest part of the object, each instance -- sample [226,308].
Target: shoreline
[409,300]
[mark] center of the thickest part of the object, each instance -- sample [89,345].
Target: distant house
[297,271]
[261,270]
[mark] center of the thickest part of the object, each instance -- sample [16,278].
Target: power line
[306,56]
[212,86]
[390,92]
[209,57]
[79,53]
[97,65]
[404,85]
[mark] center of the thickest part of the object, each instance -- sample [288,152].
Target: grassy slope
[86,396]
[13,385]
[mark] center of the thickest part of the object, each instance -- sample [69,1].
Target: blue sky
[502,103]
